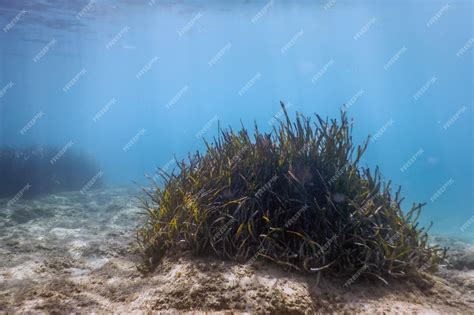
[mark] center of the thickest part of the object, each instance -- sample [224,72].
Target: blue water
[136,83]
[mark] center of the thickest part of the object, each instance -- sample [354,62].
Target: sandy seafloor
[72,252]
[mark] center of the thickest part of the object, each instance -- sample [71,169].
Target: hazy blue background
[286,43]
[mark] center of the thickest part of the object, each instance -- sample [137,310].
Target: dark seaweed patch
[296,196]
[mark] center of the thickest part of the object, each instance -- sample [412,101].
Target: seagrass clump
[296,196]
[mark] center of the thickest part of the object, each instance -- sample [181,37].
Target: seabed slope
[74,252]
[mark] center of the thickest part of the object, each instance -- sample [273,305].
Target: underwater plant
[44,170]
[295,196]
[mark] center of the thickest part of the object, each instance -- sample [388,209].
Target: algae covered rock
[28,172]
